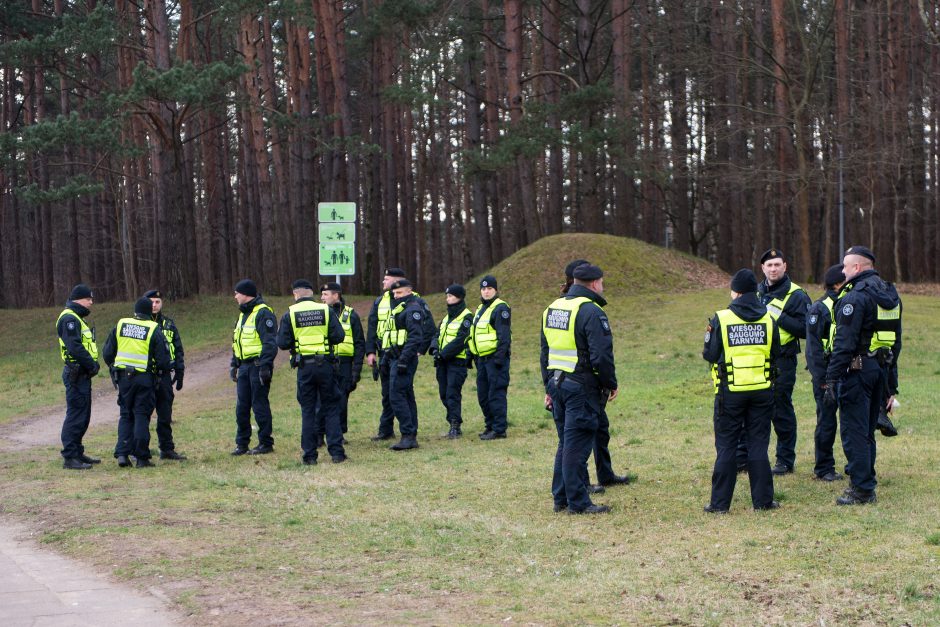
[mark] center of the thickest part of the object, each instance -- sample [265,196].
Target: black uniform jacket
[793,317]
[856,313]
[285,333]
[159,350]
[266,325]
[410,319]
[594,341]
[501,320]
[166,322]
[818,323]
[71,335]
[459,343]
[749,309]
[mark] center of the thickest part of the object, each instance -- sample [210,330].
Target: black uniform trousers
[164,396]
[136,402]
[492,384]
[577,410]
[784,416]
[861,396]
[252,396]
[744,415]
[451,375]
[387,419]
[344,381]
[319,399]
[77,413]
[402,396]
[602,464]
[825,435]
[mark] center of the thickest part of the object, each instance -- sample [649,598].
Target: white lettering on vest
[134,331]
[558,319]
[314,318]
[747,335]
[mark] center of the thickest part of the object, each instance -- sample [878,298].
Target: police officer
[253,351]
[165,383]
[577,361]
[490,344]
[137,353]
[404,339]
[819,332]
[450,356]
[602,463]
[310,331]
[863,366]
[742,343]
[787,303]
[376,329]
[79,352]
[350,351]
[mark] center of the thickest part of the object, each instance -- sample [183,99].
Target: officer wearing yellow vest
[164,391]
[136,350]
[787,303]
[491,346]
[311,331]
[349,352]
[376,328]
[79,352]
[404,341]
[577,363]
[252,367]
[819,333]
[451,358]
[742,343]
[863,366]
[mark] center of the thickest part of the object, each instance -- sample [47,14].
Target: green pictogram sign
[336,212]
[337,232]
[338,259]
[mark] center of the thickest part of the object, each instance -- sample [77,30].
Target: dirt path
[43,426]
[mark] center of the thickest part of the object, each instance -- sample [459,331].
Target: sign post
[337,238]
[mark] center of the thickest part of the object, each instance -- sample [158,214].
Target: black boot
[406,442]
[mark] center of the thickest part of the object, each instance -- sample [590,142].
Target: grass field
[463,531]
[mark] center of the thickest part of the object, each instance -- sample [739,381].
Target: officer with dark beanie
[404,339]
[862,375]
[491,346]
[350,352]
[310,331]
[450,356]
[742,343]
[602,463]
[787,303]
[254,348]
[376,328]
[79,352]
[820,329]
[164,390]
[137,353]
[577,363]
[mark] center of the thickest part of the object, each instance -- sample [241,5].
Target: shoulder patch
[70,326]
[416,315]
[605,324]
[269,323]
[708,336]
[813,318]
[505,314]
[466,322]
[848,310]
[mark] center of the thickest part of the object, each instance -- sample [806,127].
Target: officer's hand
[889,404]
[357,377]
[233,374]
[265,374]
[829,397]
[613,395]
[178,378]
[437,360]
[549,405]
[352,386]
[370,359]
[94,370]
[402,367]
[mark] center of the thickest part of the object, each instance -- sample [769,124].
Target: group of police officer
[853,336]
[853,341]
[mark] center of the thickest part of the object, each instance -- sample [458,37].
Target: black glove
[829,396]
[433,350]
[178,379]
[352,386]
[402,367]
[94,370]
[265,373]
[233,374]
[357,376]
[437,360]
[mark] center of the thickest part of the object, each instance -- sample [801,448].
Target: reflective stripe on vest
[133,344]
[558,326]
[246,343]
[483,339]
[310,323]
[746,347]
[828,303]
[448,330]
[170,334]
[346,348]
[88,338]
[382,313]
[775,308]
[886,325]
[393,335]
